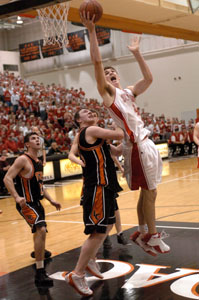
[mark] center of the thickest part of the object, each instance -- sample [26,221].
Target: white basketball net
[54,23]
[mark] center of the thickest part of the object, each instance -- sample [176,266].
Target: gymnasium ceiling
[158,17]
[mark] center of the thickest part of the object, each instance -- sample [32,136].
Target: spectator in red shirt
[11,145]
[7,97]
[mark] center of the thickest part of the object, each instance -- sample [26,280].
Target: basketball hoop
[54,23]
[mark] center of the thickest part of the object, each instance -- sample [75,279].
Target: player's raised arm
[106,90]
[140,86]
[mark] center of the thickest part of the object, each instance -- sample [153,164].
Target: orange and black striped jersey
[31,188]
[100,167]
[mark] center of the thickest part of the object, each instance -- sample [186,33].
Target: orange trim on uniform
[91,148]
[26,189]
[97,213]
[29,215]
[101,166]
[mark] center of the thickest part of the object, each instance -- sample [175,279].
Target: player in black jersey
[28,191]
[100,187]
[73,156]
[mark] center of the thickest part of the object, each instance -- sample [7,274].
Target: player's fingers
[93,18]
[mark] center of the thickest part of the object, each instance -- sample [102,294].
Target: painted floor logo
[186,282]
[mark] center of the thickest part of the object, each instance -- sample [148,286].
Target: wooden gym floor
[177,210]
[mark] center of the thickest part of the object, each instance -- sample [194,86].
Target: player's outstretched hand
[89,24]
[135,44]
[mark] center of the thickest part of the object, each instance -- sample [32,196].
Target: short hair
[28,135]
[109,67]
[76,117]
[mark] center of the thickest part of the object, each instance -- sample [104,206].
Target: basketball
[93,7]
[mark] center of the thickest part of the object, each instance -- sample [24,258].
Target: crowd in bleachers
[24,104]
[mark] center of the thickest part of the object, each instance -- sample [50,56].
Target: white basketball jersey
[125,114]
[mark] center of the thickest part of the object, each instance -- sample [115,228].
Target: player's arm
[196,134]
[118,164]
[52,202]
[140,86]
[74,152]
[116,150]
[106,90]
[13,171]
[44,155]
[105,134]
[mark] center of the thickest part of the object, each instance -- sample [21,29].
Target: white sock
[40,264]
[119,232]
[143,228]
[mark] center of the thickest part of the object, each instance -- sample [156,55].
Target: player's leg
[121,238]
[148,207]
[95,197]
[39,238]
[138,235]
[153,238]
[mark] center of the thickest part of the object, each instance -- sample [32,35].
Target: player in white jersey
[143,164]
[196,138]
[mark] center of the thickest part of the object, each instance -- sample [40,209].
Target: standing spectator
[190,139]
[15,101]
[72,134]
[1,92]
[7,97]
[196,138]
[4,167]
[42,110]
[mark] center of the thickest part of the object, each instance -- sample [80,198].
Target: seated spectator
[176,139]
[72,134]
[4,166]
[11,145]
[155,136]
[54,149]
[191,142]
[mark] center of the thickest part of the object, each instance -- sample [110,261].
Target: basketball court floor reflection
[129,273]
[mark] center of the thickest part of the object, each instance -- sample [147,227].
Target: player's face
[86,116]
[34,142]
[112,77]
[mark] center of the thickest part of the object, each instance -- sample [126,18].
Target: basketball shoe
[121,239]
[137,238]
[78,283]
[156,241]
[93,268]
[42,279]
